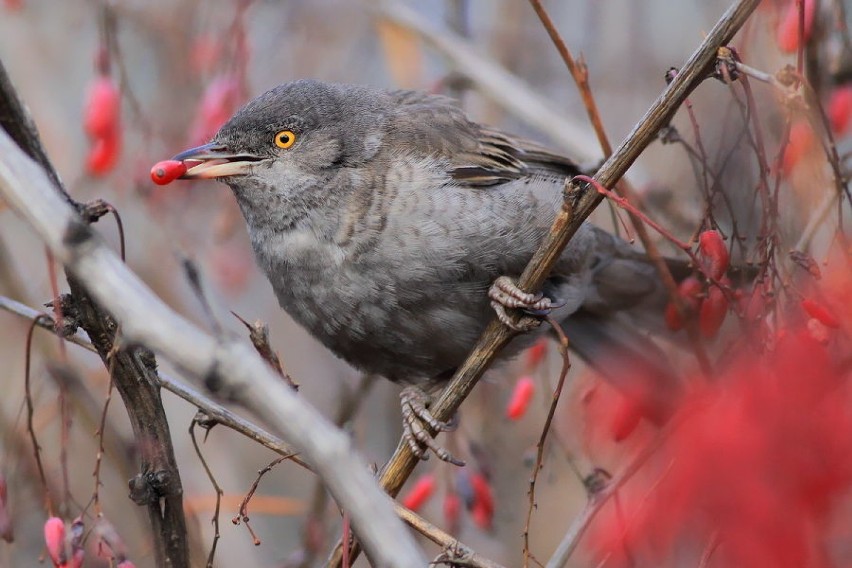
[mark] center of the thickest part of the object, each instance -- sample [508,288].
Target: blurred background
[182,67]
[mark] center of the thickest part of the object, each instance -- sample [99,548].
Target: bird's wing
[476,155]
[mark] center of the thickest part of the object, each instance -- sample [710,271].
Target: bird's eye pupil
[285,139]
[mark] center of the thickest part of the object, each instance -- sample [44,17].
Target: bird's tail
[615,328]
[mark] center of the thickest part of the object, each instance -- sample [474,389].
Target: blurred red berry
[167,171]
[13,5]
[625,419]
[103,155]
[712,313]
[757,459]
[536,354]
[54,540]
[101,120]
[840,110]
[103,108]
[756,304]
[482,516]
[419,492]
[820,312]
[220,100]
[802,141]
[521,397]
[714,253]
[6,532]
[452,511]
[482,509]
[788,28]
[689,290]
[205,53]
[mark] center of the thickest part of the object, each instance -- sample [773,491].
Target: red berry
[712,314]
[482,510]
[714,252]
[820,313]
[788,28]
[536,353]
[104,154]
[840,109]
[482,515]
[521,396]
[802,140]
[54,539]
[219,102]
[688,290]
[452,509]
[419,492]
[625,419]
[167,171]
[103,108]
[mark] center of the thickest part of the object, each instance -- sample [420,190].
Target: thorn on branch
[150,487]
[259,337]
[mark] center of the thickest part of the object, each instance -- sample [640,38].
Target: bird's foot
[505,294]
[416,421]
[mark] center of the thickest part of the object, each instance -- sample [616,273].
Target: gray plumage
[382,227]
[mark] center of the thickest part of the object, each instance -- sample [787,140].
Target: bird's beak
[214,161]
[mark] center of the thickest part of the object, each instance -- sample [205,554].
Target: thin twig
[28,395]
[242,515]
[539,458]
[581,77]
[215,520]
[100,434]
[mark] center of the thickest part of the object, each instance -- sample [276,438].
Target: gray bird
[392,227]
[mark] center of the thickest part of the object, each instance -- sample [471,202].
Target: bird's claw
[505,294]
[416,421]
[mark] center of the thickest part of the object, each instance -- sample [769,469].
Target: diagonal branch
[580,201]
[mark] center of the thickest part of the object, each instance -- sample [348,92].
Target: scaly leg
[504,293]
[415,419]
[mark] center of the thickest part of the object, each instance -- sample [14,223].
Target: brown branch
[580,74]
[579,204]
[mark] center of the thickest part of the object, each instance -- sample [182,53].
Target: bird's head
[291,139]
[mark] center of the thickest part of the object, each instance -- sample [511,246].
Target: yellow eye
[285,139]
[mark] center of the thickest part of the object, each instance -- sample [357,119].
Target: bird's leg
[415,418]
[504,293]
